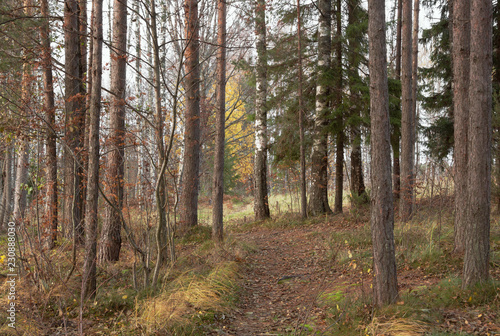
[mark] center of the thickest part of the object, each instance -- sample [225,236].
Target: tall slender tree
[355,35]
[407,116]
[396,131]
[414,85]
[318,198]
[339,154]
[414,74]
[23,148]
[303,191]
[461,66]
[382,214]
[75,120]
[51,135]
[21,169]
[220,116]
[477,243]
[5,208]
[110,243]
[191,165]
[261,201]
[89,266]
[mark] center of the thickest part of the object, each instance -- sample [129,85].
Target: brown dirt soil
[283,279]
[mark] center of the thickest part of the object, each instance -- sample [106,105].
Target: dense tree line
[195,86]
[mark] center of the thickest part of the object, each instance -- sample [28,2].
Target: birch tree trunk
[303,192]
[23,149]
[385,289]
[21,178]
[261,198]
[318,198]
[7,187]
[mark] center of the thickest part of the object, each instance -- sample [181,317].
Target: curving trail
[282,281]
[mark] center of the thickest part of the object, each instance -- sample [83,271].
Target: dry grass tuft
[397,327]
[190,295]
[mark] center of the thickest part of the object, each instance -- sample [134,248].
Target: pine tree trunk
[477,244]
[382,214]
[339,173]
[261,201]
[414,87]
[461,66]
[407,117]
[190,180]
[396,133]
[84,74]
[89,266]
[218,180]
[303,191]
[75,121]
[318,198]
[339,155]
[51,154]
[110,243]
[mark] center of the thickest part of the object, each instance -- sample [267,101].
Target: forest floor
[283,276]
[315,279]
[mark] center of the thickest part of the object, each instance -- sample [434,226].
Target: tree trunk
[75,121]
[110,243]
[303,191]
[23,149]
[477,244]
[189,196]
[318,199]
[84,74]
[339,155]
[396,171]
[354,60]
[261,201]
[51,146]
[218,186]
[461,66]
[21,178]
[385,289]
[414,87]
[339,173]
[160,186]
[89,266]
[7,187]
[407,117]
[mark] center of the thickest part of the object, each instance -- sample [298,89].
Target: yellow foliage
[239,131]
